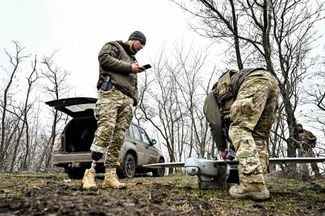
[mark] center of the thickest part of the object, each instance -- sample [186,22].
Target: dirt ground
[55,194]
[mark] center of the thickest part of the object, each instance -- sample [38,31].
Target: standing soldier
[307,142]
[117,94]
[247,101]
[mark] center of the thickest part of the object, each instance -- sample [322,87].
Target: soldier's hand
[231,154]
[136,68]
[223,154]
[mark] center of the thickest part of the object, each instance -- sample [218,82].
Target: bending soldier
[247,101]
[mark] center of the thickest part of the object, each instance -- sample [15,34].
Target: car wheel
[127,170]
[160,171]
[75,172]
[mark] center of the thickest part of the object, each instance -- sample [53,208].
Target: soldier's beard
[133,49]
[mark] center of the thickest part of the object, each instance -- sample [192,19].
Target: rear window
[80,107]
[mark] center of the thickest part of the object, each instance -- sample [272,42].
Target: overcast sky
[77,29]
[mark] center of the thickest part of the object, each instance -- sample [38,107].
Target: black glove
[231,154]
[96,155]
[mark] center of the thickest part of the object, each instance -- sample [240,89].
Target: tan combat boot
[256,192]
[88,181]
[111,180]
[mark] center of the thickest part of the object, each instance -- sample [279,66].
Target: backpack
[212,113]
[218,102]
[227,88]
[224,92]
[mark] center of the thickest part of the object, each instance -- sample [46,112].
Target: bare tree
[6,135]
[56,87]
[161,101]
[188,79]
[172,97]
[315,90]
[274,34]
[32,78]
[22,140]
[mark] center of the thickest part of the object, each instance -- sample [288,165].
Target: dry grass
[53,193]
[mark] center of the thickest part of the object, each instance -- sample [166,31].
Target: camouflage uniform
[307,142]
[114,114]
[118,92]
[242,112]
[251,116]
[114,107]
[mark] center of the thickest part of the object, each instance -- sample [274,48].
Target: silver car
[72,148]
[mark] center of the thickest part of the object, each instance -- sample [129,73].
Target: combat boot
[88,181]
[256,192]
[111,180]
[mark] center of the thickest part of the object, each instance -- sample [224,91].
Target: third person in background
[307,141]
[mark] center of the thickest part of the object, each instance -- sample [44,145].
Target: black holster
[104,82]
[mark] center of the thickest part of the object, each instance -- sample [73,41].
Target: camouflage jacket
[227,87]
[116,59]
[217,104]
[307,139]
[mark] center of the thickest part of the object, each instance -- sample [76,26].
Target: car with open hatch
[72,147]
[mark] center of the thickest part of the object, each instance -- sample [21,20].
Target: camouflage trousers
[113,114]
[303,168]
[252,115]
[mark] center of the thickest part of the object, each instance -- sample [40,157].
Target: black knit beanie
[137,35]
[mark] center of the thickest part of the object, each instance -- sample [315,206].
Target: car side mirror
[153,141]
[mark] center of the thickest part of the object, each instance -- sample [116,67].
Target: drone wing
[235,162]
[164,165]
[297,160]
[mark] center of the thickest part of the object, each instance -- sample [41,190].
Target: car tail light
[57,144]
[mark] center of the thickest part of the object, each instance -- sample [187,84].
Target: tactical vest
[227,87]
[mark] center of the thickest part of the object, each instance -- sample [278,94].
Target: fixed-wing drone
[213,173]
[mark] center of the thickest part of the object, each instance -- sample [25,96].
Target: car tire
[127,169]
[160,171]
[75,172]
